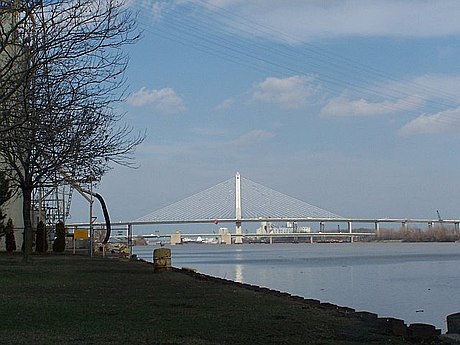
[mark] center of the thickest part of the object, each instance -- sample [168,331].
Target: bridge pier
[239,233]
[176,238]
[350,230]
[377,229]
[404,225]
[130,239]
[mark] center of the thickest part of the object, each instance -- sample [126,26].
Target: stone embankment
[417,332]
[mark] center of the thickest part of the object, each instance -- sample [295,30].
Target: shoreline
[395,326]
[410,281]
[70,299]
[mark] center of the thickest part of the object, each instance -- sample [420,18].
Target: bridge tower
[239,238]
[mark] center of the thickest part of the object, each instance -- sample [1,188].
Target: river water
[417,282]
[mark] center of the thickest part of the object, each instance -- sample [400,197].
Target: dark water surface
[417,282]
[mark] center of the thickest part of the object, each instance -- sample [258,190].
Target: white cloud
[163,100]
[155,8]
[306,20]
[444,86]
[170,149]
[225,104]
[291,93]
[424,89]
[253,137]
[343,107]
[444,121]
[220,3]
[208,131]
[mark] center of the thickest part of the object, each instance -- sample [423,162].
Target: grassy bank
[60,299]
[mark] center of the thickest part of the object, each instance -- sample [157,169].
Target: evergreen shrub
[41,243]
[59,242]
[10,241]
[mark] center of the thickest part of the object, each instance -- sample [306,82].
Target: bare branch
[62,65]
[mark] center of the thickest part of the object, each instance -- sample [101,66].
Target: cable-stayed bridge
[223,200]
[239,200]
[236,200]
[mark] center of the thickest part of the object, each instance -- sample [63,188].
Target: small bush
[10,241]
[59,242]
[41,242]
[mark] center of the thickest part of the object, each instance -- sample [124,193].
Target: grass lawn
[65,299]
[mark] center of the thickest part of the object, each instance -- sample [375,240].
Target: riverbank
[63,299]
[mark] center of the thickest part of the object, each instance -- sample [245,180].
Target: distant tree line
[434,234]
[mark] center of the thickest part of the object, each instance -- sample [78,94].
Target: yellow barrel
[162,259]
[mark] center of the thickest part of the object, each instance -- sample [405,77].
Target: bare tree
[70,122]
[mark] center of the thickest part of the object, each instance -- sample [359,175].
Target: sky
[352,106]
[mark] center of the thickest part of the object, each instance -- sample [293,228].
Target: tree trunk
[28,230]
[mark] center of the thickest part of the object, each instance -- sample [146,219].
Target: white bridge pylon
[237,198]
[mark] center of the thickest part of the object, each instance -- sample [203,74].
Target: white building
[13,208]
[290,228]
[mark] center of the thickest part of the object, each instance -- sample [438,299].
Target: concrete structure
[225,236]
[16,66]
[10,50]
[176,238]
[238,232]
[162,259]
[453,323]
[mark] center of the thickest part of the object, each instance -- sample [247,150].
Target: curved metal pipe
[106,216]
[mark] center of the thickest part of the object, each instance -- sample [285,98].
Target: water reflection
[239,273]
[415,282]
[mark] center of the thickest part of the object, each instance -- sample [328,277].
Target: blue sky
[352,106]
